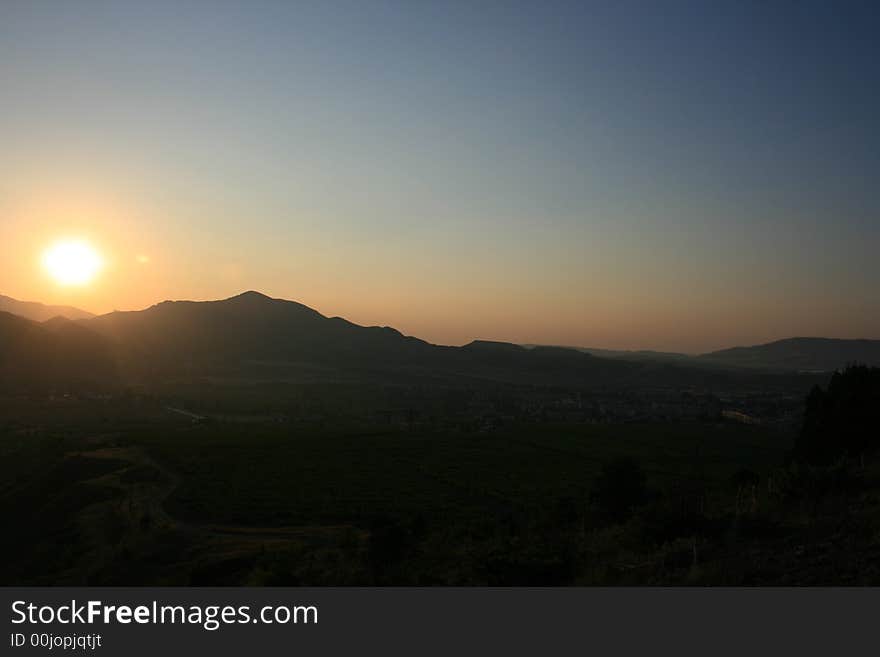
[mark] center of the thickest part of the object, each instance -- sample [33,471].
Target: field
[274,475]
[126,491]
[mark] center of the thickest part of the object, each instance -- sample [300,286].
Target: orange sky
[500,172]
[482,296]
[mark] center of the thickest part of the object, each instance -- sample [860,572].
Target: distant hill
[257,338]
[56,353]
[39,312]
[249,328]
[789,355]
[253,336]
[640,355]
[800,354]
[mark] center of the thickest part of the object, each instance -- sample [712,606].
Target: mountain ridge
[809,354]
[40,312]
[252,335]
[801,353]
[56,352]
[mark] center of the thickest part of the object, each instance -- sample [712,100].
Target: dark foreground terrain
[230,486]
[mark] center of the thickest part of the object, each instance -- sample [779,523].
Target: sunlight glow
[72,262]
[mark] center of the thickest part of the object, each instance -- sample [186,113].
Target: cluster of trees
[844,419]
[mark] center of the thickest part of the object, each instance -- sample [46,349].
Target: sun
[72,262]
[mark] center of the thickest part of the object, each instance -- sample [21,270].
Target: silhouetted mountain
[800,354]
[790,355]
[39,312]
[248,329]
[492,346]
[256,337]
[639,355]
[511,362]
[56,353]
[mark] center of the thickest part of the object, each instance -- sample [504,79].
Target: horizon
[474,339]
[683,179]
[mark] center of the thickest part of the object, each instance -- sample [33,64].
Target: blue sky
[631,174]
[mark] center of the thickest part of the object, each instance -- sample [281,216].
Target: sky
[667,175]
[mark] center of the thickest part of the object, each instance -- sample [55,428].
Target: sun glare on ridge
[72,262]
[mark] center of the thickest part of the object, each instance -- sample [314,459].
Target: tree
[843,420]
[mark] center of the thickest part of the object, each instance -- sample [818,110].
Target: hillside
[638,355]
[248,329]
[254,336]
[257,338]
[39,312]
[789,355]
[54,353]
[800,354]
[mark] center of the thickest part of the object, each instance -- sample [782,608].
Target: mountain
[56,353]
[253,335]
[250,328]
[39,312]
[257,337]
[639,355]
[789,355]
[799,354]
